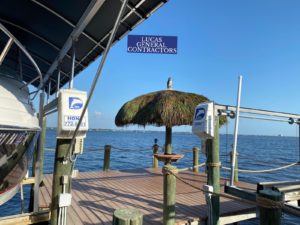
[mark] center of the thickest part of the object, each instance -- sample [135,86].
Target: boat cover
[45,26]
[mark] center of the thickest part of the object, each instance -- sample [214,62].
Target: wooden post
[236,172]
[155,160]
[62,167]
[107,149]
[168,144]
[195,159]
[127,217]
[169,195]
[213,170]
[270,216]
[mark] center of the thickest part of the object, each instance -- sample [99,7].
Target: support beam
[228,108]
[87,16]
[99,70]
[238,192]
[6,50]
[16,41]
[67,22]
[39,157]
[73,64]
[42,39]
[20,65]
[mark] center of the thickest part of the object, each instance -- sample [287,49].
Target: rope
[263,171]
[260,201]
[190,168]
[127,149]
[261,161]
[217,164]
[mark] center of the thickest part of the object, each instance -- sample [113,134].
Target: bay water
[133,149]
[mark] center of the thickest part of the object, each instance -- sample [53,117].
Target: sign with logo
[70,106]
[152,44]
[75,103]
[199,114]
[203,124]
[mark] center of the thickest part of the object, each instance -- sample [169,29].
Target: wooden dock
[96,195]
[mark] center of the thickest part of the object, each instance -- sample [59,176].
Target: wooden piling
[127,217]
[169,195]
[168,144]
[62,167]
[213,170]
[236,172]
[107,150]
[195,159]
[154,159]
[269,215]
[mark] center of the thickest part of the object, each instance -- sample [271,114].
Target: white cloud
[97,114]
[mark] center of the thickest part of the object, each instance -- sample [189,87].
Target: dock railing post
[169,194]
[213,171]
[107,150]
[195,159]
[236,171]
[270,215]
[154,159]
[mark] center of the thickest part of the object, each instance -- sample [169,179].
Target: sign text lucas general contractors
[152,44]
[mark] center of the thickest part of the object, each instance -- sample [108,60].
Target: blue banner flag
[152,44]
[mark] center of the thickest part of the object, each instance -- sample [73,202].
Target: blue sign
[75,103]
[200,113]
[152,44]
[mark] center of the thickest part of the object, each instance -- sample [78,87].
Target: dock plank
[97,194]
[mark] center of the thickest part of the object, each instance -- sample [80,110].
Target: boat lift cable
[98,73]
[16,41]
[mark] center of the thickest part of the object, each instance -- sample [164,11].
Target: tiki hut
[162,108]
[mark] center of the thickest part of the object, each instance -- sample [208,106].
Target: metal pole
[6,50]
[20,64]
[58,83]
[73,65]
[23,49]
[22,198]
[37,174]
[98,73]
[49,91]
[236,128]
[299,140]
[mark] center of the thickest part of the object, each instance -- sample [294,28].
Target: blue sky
[217,41]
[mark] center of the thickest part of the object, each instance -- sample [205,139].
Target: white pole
[236,128]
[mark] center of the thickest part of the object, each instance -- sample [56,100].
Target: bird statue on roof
[169,83]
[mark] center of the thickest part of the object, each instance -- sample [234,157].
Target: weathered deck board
[96,195]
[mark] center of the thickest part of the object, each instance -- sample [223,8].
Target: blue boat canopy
[50,28]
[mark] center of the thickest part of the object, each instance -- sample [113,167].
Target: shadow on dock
[96,195]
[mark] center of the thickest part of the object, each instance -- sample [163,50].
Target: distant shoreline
[177,132]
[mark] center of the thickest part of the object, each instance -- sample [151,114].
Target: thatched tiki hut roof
[162,108]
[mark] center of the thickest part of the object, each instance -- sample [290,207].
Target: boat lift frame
[260,114]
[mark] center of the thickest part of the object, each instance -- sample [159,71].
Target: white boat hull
[18,133]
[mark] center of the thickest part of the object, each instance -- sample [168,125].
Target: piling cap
[127,214]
